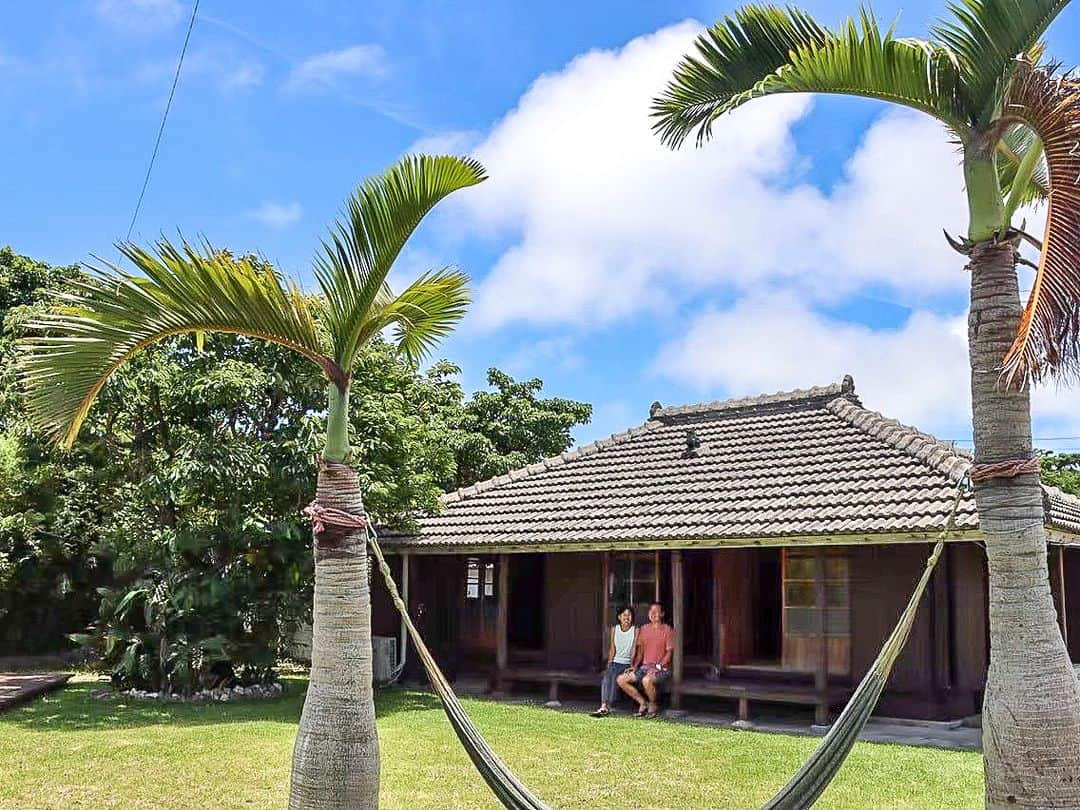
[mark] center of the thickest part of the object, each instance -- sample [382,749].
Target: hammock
[801,792]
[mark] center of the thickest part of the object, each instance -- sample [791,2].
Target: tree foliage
[173,527]
[511,426]
[1061,470]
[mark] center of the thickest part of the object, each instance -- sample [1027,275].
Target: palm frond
[1048,341]
[362,246]
[423,313]
[113,314]
[764,50]
[732,57]
[1018,147]
[989,36]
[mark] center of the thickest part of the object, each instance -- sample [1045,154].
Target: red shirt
[655,641]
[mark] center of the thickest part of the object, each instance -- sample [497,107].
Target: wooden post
[677,614]
[502,616]
[717,612]
[1061,594]
[656,577]
[940,641]
[605,603]
[821,675]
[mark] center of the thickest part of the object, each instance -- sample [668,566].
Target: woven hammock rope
[800,793]
[1004,469]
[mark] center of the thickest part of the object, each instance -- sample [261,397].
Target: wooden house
[784,534]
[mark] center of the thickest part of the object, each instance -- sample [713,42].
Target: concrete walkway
[19,687]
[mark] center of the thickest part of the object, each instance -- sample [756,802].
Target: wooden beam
[661,543]
[821,674]
[502,616]
[677,613]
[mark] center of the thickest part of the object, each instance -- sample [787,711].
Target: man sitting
[651,663]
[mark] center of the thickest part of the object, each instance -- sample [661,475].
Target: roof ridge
[844,390]
[943,457]
[463,493]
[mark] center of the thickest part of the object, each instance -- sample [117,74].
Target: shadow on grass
[73,709]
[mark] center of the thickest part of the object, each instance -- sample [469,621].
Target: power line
[164,118]
[1033,438]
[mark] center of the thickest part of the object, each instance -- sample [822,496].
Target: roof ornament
[655,408]
[848,385]
[693,442]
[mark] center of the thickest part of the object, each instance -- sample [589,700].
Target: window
[633,581]
[800,609]
[472,578]
[475,571]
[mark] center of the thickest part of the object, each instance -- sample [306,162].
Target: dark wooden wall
[385,620]
[574,601]
[436,591]
[971,640]
[698,613]
[1072,598]
[733,624]
[942,670]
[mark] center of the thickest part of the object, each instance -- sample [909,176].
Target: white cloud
[242,76]
[277,215]
[322,70]
[141,15]
[917,373]
[543,356]
[603,221]
[228,70]
[455,142]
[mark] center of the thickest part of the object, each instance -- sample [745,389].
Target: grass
[70,751]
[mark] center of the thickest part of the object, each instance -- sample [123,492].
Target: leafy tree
[49,517]
[1016,120]
[1062,470]
[511,427]
[186,289]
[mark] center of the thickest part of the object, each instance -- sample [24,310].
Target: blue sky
[802,244]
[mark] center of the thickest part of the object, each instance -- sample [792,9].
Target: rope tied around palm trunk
[1010,468]
[323,516]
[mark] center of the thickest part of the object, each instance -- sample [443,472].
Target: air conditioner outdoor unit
[384,658]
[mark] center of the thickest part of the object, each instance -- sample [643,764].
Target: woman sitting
[621,640]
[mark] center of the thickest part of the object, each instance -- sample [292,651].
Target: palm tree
[108,318]
[1017,122]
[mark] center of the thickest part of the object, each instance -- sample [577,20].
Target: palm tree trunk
[336,756]
[1031,709]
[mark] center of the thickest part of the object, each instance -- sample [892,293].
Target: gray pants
[609,689]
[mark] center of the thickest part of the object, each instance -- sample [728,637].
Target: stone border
[265,691]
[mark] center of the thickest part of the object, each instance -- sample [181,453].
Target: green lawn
[68,750]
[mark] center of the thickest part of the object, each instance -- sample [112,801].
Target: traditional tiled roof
[812,463]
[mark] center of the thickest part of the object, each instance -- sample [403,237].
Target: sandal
[643,710]
[653,711]
[600,713]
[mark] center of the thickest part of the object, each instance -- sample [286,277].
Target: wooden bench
[552,677]
[744,691]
